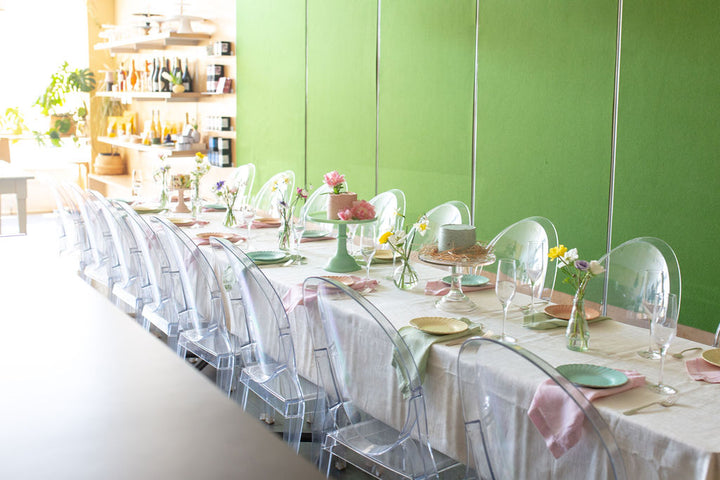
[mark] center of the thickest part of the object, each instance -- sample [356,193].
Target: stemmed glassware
[653,287]
[297,228]
[368,244]
[534,266]
[137,182]
[505,287]
[663,329]
[246,215]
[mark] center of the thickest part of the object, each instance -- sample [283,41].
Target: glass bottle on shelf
[133,76]
[186,78]
[156,75]
[164,83]
[177,71]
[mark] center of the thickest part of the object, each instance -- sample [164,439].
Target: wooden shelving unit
[220,133]
[159,149]
[156,41]
[154,96]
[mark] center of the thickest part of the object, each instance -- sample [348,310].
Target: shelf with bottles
[170,150]
[156,41]
[157,96]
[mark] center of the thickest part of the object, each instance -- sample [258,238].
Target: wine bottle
[186,78]
[177,71]
[152,79]
[156,75]
[164,82]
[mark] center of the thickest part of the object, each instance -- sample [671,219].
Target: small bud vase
[578,333]
[405,276]
[284,230]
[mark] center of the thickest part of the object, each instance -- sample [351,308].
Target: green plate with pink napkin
[595,376]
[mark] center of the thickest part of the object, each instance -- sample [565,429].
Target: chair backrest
[512,242]
[201,302]
[625,267]
[335,315]
[716,343]
[389,210]
[281,185]
[453,212]
[497,384]
[244,177]
[261,323]
[317,202]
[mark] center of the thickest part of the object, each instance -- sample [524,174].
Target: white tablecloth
[678,442]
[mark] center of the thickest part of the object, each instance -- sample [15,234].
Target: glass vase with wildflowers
[287,212]
[577,273]
[161,175]
[227,194]
[202,167]
[401,243]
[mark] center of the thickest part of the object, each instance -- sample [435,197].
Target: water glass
[663,329]
[297,228]
[535,260]
[653,286]
[246,215]
[368,244]
[505,287]
[137,182]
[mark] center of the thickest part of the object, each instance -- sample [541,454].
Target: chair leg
[293,432]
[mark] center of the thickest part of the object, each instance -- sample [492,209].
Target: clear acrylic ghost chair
[267,352]
[244,177]
[389,210]
[317,202]
[73,241]
[354,373]
[132,290]
[453,212]
[167,297]
[202,326]
[512,242]
[716,343]
[105,270]
[625,267]
[266,200]
[497,383]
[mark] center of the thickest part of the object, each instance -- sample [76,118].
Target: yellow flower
[384,237]
[557,252]
[200,155]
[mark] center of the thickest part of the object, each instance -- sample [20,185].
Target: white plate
[439,325]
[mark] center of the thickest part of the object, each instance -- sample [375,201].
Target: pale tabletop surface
[87,394]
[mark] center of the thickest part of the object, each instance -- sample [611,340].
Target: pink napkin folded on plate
[265,224]
[438,287]
[699,369]
[559,420]
[317,239]
[294,296]
[206,241]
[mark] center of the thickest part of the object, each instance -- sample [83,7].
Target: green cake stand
[342,262]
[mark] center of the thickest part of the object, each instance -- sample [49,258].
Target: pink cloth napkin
[559,420]
[438,287]
[206,241]
[317,239]
[265,225]
[294,296]
[699,369]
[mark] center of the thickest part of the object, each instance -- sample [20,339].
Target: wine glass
[653,286]
[368,244]
[297,228]
[351,239]
[663,329]
[505,286]
[246,214]
[137,182]
[534,267]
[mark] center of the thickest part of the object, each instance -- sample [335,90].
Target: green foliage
[13,122]
[62,82]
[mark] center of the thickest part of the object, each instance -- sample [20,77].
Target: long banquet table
[678,442]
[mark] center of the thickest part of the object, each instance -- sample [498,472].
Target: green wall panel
[545,90]
[271,86]
[341,92]
[426,85]
[667,169]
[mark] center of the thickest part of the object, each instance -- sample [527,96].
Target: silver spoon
[668,402]
[680,354]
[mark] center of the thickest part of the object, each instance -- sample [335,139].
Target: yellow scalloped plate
[439,325]
[346,280]
[214,234]
[563,312]
[712,356]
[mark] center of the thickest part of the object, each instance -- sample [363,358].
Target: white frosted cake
[458,237]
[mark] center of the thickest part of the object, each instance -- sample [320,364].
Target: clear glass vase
[284,239]
[195,201]
[578,333]
[164,194]
[405,276]
[230,220]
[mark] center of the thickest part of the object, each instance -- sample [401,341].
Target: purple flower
[582,265]
[283,204]
[219,184]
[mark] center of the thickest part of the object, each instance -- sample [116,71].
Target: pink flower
[362,210]
[334,180]
[345,214]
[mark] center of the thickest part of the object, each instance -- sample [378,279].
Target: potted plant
[176,80]
[54,103]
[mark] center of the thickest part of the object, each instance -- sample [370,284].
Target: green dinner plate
[215,206]
[594,376]
[315,234]
[267,256]
[469,280]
